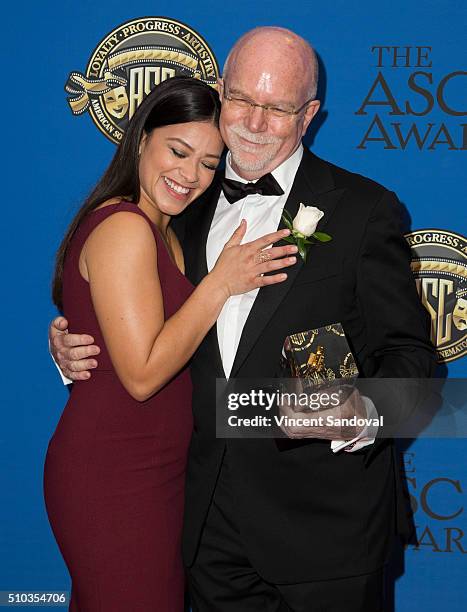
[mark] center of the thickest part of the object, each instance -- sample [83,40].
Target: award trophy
[320,359]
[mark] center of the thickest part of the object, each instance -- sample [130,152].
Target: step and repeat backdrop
[394,107]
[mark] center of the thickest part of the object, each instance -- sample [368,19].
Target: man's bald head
[268,93]
[270,45]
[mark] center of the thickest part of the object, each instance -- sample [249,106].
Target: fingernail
[294,249]
[94,364]
[87,375]
[286,232]
[292,259]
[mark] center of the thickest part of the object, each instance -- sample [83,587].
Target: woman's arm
[120,258]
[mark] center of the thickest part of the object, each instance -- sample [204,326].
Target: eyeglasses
[272,111]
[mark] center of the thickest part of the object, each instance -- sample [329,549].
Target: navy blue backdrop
[407,55]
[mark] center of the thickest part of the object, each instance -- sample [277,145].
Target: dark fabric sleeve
[397,333]
[397,337]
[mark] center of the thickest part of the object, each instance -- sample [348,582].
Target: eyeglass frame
[268,107]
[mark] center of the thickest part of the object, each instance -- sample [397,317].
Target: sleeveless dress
[115,467]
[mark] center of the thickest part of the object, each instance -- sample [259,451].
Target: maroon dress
[115,467]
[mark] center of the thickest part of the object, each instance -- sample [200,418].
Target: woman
[114,471]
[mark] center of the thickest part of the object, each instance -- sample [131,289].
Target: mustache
[243,132]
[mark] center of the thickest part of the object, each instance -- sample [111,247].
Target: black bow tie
[235,190]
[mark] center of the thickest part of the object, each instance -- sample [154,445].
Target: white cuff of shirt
[366,437]
[65,379]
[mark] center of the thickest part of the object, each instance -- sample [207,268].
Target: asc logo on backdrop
[129,62]
[439,263]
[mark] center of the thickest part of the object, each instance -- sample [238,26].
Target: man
[282,524]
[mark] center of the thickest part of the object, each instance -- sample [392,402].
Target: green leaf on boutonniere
[287,224]
[289,239]
[302,248]
[287,217]
[322,237]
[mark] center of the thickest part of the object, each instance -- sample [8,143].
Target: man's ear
[311,110]
[142,142]
[220,87]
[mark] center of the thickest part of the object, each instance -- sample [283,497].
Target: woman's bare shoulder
[116,200]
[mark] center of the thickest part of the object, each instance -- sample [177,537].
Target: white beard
[237,149]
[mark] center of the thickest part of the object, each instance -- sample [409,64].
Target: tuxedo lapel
[199,230]
[313,186]
[195,258]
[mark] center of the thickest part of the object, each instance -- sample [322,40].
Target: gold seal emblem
[439,263]
[129,62]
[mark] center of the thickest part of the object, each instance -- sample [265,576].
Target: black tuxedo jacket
[304,513]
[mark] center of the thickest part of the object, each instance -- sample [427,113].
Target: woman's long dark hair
[177,100]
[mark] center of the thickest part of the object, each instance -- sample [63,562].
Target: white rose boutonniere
[307,219]
[303,227]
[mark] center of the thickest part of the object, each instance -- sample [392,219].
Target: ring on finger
[262,257]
